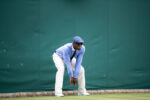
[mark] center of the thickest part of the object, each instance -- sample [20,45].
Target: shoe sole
[82,95]
[59,96]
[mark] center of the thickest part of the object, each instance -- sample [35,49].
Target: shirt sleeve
[68,64]
[78,64]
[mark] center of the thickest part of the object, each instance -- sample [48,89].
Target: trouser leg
[59,74]
[81,77]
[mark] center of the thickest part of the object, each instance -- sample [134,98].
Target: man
[70,54]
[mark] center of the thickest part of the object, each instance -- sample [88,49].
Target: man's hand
[73,81]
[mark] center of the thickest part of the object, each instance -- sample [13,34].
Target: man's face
[77,46]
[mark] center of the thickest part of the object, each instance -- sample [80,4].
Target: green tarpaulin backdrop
[116,35]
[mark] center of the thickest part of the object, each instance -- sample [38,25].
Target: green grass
[117,96]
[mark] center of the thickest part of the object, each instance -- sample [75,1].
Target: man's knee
[82,69]
[61,69]
[73,62]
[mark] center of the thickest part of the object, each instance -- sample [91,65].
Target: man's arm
[78,64]
[69,68]
[68,63]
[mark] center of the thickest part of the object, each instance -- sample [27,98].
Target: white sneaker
[59,95]
[83,94]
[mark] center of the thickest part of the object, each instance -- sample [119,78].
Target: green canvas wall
[116,35]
